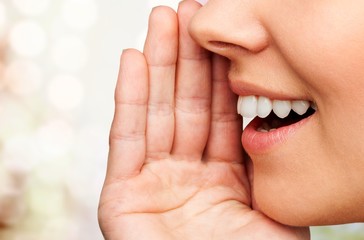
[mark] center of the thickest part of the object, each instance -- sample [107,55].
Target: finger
[127,135]
[161,55]
[224,142]
[193,89]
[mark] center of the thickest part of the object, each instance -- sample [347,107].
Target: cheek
[329,57]
[326,48]
[318,178]
[327,52]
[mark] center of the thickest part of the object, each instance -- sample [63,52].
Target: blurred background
[58,67]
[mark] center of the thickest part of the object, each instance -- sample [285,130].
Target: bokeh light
[69,53]
[31,7]
[80,14]
[3,18]
[2,71]
[49,203]
[24,82]
[65,92]
[54,139]
[15,118]
[28,38]
[20,155]
[11,204]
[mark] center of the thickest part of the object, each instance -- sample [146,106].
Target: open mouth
[274,114]
[272,122]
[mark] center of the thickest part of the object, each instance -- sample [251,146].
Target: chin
[301,208]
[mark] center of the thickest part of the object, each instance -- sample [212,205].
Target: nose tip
[222,28]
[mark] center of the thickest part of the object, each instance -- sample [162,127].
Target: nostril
[219,44]
[252,38]
[224,48]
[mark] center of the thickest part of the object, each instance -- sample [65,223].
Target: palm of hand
[179,200]
[185,200]
[175,165]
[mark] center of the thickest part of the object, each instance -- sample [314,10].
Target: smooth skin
[176,167]
[299,50]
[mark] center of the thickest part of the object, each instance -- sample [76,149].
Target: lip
[255,142]
[243,88]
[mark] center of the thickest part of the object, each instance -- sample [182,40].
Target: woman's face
[310,170]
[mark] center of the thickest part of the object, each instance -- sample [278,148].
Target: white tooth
[300,107]
[248,106]
[238,105]
[264,107]
[262,130]
[281,108]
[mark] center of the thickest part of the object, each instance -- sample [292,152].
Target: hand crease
[131,136]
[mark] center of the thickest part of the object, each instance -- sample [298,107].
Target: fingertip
[189,48]
[133,77]
[164,16]
[132,59]
[188,6]
[161,10]
[186,10]
[130,53]
[162,39]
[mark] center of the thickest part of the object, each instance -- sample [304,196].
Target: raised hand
[176,168]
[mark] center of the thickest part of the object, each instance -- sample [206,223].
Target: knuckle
[224,117]
[193,104]
[160,109]
[130,136]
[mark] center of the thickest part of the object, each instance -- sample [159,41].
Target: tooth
[300,107]
[264,107]
[238,105]
[262,130]
[248,106]
[281,108]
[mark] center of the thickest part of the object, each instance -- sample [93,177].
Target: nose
[224,27]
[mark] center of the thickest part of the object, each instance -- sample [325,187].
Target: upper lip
[243,88]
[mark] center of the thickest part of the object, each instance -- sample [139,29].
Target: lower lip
[255,142]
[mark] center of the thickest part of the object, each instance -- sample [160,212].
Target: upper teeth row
[252,106]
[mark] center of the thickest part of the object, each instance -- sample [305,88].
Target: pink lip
[255,142]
